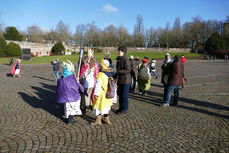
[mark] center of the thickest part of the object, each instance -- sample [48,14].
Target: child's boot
[71,120]
[97,121]
[107,120]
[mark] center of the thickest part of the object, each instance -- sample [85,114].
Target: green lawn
[98,56]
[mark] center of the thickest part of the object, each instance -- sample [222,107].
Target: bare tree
[110,36]
[35,34]
[63,30]
[1,28]
[52,37]
[80,35]
[92,37]
[165,36]
[124,38]
[152,37]
[138,35]
[176,34]
[227,19]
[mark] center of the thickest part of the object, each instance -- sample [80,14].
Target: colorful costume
[16,69]
[88,76]
[68,92]
[102,105]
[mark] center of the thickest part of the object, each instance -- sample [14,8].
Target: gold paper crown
[90,52]
[70,66]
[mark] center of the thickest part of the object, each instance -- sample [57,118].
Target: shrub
[13,49]
[97,50]
[2,52]
[58,48]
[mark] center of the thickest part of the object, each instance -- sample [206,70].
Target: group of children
[86,91]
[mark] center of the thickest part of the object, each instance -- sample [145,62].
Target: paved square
[31,120]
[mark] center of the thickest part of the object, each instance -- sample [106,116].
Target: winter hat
[90,52]
[104,63]
[167,54]
[145,60]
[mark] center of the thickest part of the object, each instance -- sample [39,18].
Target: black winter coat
[123,69]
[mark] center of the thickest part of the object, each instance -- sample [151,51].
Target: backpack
[143,73]
[111,88]
[152,66]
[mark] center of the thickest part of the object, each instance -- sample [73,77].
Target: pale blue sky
[156,13]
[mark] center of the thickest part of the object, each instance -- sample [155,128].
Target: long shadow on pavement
[46,100]
[146,98]
[151,98]
[42,78]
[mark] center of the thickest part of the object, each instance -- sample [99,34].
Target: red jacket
[183,60]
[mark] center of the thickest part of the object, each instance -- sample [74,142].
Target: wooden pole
[81,56]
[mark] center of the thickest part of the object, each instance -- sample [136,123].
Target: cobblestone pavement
[31,120]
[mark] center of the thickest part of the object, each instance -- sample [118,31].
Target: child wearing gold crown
[88,72]
[68,92]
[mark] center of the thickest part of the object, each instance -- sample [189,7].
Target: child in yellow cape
[102,105]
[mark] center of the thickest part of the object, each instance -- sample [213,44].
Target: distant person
[56,67]
[144,77]
[225,57]
[16,69]
[152,65]
[146,57]
[11,61]
[167,54]
[165,73]
[108,57]
[133,73]
[123,78]
[176,73]
[138,61]
[183,59]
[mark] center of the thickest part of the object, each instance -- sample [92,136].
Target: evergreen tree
[11,33]
[3,45]
[58,48]
[215,44]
